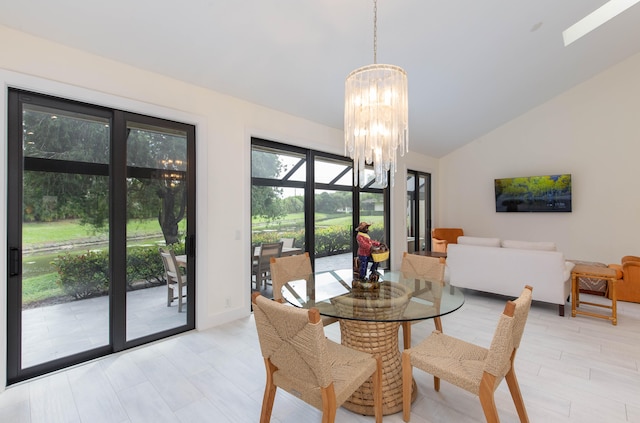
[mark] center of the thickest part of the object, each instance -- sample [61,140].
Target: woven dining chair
[290,268]
[426,268]
[176,281]
[302,361]
[471,367]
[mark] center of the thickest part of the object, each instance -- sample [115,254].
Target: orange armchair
[628,285]
[441,237]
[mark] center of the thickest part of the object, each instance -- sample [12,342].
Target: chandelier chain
[375,32]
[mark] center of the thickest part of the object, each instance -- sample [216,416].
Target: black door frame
[117,171]
[417,221]
[310,185]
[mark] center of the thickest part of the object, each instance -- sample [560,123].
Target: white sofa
[505,267]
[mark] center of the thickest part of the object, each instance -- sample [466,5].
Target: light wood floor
[570,370]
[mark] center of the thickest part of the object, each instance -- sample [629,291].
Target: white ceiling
[472,64]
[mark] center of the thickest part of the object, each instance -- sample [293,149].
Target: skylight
[598,17]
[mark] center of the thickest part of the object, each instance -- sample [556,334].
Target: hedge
[329,240]
[87,275]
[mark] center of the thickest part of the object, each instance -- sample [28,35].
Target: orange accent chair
[441,237]
[628,273]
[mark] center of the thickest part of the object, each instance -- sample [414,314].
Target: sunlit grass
[321,219]
[40,288]
[35,234]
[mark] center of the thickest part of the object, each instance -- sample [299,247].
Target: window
[308,196]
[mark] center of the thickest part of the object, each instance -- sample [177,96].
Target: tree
[66,138]
[266,201]
[167,155]
[156,156]
[294,204]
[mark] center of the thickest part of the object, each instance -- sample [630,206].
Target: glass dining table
[370,319]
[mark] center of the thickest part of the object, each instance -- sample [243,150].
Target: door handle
[14,262]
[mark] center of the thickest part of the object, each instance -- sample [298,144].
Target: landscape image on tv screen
[550,193]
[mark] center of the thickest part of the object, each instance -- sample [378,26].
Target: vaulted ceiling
[472,65]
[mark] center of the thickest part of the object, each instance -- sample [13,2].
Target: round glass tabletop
[398,298]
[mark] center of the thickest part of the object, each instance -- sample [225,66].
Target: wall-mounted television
[549,193]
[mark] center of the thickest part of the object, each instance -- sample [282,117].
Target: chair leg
[407,376]
[269,393]
[179,298]
[406,334]
[329,406]
[436,380]
[438,323]
[514,388]
[487,401]
[169,295]
[377,391]
[263,281]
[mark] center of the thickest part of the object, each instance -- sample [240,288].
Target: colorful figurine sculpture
[365,244]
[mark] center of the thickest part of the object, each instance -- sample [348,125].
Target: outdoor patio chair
[287,242]
[261,270]
[176,281]
[301,360]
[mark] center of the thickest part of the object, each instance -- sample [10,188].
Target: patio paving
[59,330]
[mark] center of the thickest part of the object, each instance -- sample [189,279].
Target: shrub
[83,275]
[333,240]
[329,240]
[144,264]
[87,275]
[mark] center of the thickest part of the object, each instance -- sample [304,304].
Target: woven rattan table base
[380,339]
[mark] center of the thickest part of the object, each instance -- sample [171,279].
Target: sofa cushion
[474,240]
[529,245]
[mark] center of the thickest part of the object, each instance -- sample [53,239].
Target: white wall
[224,127]
[591,131]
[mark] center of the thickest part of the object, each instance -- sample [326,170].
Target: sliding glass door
[93,193]
[418,211]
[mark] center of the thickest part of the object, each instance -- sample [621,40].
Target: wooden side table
[441,256]
[588,271]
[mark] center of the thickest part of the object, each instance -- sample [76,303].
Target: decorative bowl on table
[364,285]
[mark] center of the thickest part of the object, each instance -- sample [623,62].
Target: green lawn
[293,219]
[40,288]
[342,220]
[322,219]
[41,233]
[35,234]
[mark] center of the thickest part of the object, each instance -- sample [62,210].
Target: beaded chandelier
[376,117]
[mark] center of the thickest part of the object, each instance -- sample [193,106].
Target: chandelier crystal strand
[376,117]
